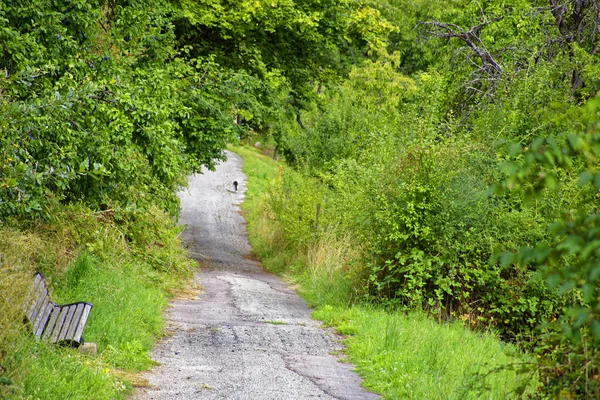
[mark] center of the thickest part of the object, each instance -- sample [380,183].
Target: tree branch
[471,38]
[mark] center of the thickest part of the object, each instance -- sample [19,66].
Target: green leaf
[514,149]
[553,280]
[572,245]
[589,248]
[587,292]
[551,182]
[585,178]
[596,328]
[581,316]
[537,143]
[526,255]
[595,272]
[565,287]
[577,143]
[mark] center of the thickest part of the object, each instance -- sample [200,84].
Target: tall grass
[126,317]
[323,269]
[62,373]
[402,356]
[326,272]
[125,264]
[19,253]
[411,356]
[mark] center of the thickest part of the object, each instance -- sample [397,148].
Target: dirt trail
[248,336]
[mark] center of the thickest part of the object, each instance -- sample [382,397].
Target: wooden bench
[53,322]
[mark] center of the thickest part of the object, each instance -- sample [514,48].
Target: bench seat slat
[42,320]
[82,321]
[65,328]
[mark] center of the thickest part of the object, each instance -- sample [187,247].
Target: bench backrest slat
[54,313]
[74,321]
[33,297]
[65,328]
[59,324]
[40,293]
[42,319]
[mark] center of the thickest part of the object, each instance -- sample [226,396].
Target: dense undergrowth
[399,355]
[502,236]
[126,265]
[456,167]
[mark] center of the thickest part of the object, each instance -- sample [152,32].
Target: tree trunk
[299,119]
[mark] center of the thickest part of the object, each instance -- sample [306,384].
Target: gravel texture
[248,335]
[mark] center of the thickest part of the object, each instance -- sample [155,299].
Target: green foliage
[388,112]
[403,165]
[316,258]
[125,264]
[102,110]
[335,130]
[413,357]
[398,355]
[294,48]
[571,261]
[305,41]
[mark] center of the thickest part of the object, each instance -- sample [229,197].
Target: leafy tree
[303,40]
[97,105]
[306,43]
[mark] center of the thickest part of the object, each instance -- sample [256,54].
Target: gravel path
[248,335]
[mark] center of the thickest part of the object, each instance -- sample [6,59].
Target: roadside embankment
[126,263]
[401,355]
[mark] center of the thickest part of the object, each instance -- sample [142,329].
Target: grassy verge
[401,356]
[125,264]
[411,356]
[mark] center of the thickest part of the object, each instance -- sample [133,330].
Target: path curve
[248,335]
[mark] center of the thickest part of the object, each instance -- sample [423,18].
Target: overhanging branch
[470,37]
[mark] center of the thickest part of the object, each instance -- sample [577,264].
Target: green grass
[55,372]
[401,356]
[317,285]
[411,356]
[126,317]
[276,322]
[127,269]
[262,169]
